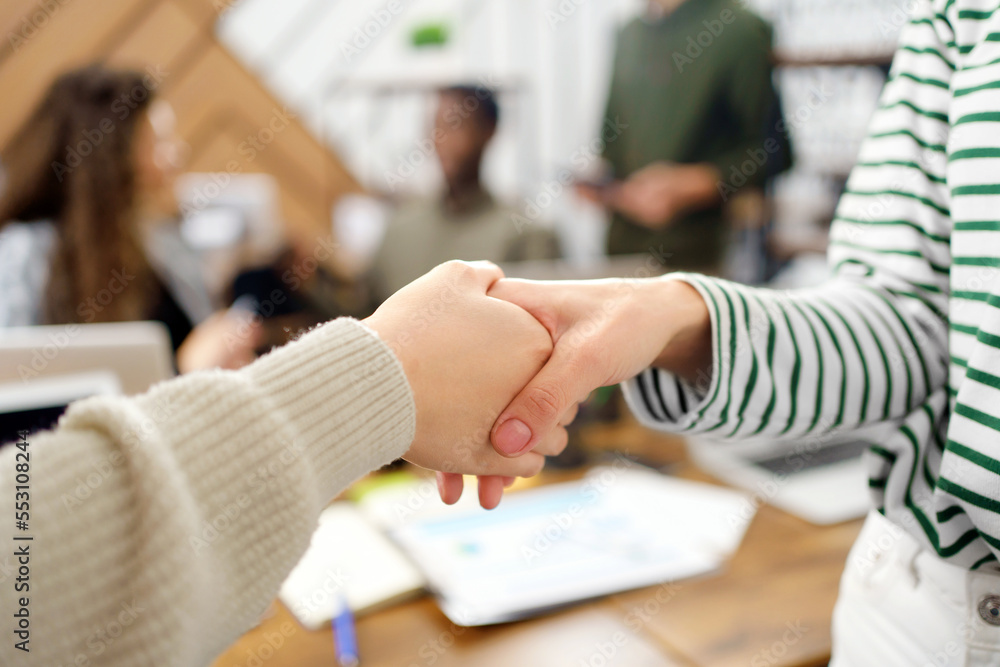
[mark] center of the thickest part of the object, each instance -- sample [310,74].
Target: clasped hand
[498,367]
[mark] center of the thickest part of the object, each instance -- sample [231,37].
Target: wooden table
[770,606]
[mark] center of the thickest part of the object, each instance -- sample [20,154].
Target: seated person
[81,177]
[465,222]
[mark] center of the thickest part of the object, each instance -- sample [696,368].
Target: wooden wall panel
[161,38]
[205,12]
[21,20]
[299,205]
[220,72]
[217,100]
[74,35]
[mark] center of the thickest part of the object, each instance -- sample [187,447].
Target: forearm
[189,505]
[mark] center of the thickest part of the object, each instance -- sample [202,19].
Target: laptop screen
[36,405]
[31,420]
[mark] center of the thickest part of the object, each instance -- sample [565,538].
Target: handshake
[498,367]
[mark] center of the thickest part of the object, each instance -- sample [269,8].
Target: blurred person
[464,222]
[84,170]
[160,153]
[690,97]
[272,294]
[213,482]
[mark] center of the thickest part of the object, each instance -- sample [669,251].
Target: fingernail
[513,437]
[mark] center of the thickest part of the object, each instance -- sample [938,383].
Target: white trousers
[902,606]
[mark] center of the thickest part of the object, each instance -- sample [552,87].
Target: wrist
[398,340]
[384,330]
[687,342]
[345,397]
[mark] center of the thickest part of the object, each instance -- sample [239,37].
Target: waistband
[975,595]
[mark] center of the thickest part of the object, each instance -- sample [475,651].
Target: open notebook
[622,527]
[349,560]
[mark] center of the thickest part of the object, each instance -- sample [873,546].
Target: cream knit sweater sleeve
[164,524]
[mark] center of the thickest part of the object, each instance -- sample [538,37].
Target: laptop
[822,480]
[36,405]
[138,353]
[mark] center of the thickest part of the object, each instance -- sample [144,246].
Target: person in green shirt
[692,87]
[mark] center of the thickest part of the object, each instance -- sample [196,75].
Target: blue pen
[344,637]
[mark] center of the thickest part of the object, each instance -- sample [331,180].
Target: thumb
[536,410]
[533,296]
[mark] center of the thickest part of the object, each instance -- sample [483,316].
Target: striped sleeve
[967,494]
[871,345]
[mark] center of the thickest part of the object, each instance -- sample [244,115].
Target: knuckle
[545,402]
[458,268]
[448,271]
[554,443]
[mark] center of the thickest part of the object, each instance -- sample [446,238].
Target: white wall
[551,59]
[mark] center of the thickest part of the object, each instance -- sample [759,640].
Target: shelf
[845,60]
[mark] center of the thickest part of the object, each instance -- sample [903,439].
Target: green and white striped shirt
[908,331]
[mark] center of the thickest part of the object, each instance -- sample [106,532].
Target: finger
[588,192]
[257,335]
[490,491]
[508,482]
[531,295]
[563,381]
[570,415]
[526,465]
[611,194]
[450,487]
[553,443]
[626,202]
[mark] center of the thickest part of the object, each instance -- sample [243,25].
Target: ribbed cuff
[337,398]
[661,400]
[347,397]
